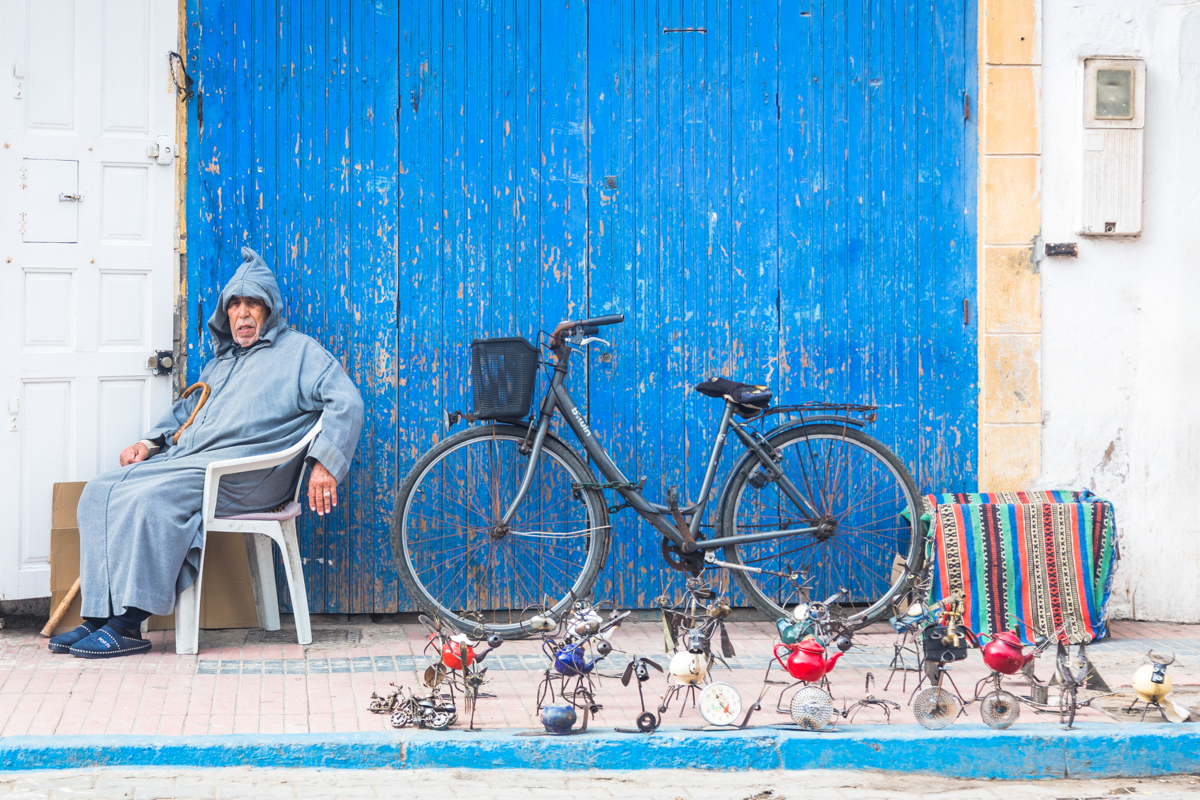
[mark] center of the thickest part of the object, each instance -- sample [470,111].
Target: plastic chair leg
[262,579]
[294,568]
[187,612]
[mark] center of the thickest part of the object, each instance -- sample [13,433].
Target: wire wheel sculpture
[936,708]
[812,708]
[1000,709]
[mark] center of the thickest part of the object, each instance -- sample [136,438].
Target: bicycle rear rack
[820,411]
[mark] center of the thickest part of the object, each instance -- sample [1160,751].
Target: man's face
[246,318]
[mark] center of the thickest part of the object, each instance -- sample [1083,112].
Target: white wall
[1121,324]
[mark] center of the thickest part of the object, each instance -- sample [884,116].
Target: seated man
[139,526]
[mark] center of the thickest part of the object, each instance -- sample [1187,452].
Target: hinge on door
[162,362]
[22,226]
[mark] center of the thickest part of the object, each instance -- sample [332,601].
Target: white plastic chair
[259,531]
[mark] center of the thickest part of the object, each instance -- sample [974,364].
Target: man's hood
[252,279]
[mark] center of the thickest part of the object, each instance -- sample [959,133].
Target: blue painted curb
[964,751]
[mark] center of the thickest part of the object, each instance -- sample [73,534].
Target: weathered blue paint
[965,751]
[792,200]
[293,148]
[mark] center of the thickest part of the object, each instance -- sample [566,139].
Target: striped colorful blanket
[1043,558]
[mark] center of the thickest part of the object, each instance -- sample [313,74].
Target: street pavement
[251,681]
[243,782]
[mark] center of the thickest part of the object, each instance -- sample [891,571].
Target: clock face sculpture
[720,704]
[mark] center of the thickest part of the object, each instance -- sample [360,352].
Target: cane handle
[204,392]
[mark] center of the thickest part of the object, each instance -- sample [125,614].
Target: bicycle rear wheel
[872,537]
[458,563]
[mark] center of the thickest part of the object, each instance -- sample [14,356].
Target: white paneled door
[86,251]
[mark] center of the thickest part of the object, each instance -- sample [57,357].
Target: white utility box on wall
[1114,116]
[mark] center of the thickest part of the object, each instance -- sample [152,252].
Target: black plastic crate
[503,377]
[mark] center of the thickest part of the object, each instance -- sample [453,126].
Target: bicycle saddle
[749,399]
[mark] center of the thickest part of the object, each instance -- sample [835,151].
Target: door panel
[49,56]
[125,198]
[126,53]
[124,309]
[49,200]
[121,411]
[91,275]
[47,418]
[47,312]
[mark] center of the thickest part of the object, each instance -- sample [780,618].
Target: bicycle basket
[503,377]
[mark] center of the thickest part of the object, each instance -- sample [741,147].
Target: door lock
[162,150]
[162,362]
[70,198]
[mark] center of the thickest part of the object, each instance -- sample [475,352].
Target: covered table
[1045,559]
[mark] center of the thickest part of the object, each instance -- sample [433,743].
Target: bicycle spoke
[450,533]
[860,498]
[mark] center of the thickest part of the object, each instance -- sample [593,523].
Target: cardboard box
[226,598]
[64,550]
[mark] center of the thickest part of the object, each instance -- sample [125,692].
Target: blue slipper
[62,643]
[109,642]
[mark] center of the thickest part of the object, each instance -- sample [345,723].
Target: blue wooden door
[779,192]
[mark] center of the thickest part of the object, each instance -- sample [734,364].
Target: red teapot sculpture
[451,653]
[1005,653]
[807,661]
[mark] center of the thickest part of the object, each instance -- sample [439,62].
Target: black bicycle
[504,516]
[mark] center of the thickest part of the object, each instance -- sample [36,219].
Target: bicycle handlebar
[586,326]
[611,319]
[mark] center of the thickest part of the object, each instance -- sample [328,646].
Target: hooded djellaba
[139,525]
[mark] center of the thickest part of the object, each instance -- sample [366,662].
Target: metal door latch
[162,150]
[162,362]
[70,198]
[14,408]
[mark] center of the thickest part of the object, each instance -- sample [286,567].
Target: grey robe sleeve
[336,396]
[161,433]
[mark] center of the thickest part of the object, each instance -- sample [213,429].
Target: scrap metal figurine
[1152,685]
[689,629]
[435,711]
[574,644]
[1005,655]
[870,701]
[639,667]
[455,661]
[804,637]
[936,707]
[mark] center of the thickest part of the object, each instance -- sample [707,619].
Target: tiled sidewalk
[243,682]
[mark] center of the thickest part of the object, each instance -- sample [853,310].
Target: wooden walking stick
[204,392]
[57,616]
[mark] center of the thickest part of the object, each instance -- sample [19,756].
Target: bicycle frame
[663,518]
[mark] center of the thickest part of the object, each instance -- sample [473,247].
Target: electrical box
[1114,115]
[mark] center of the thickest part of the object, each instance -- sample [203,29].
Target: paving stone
[152,788]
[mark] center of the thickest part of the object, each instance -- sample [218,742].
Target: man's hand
[134,453]
[322,490]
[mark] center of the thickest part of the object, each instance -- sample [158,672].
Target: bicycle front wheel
[870,536]
[459,563]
